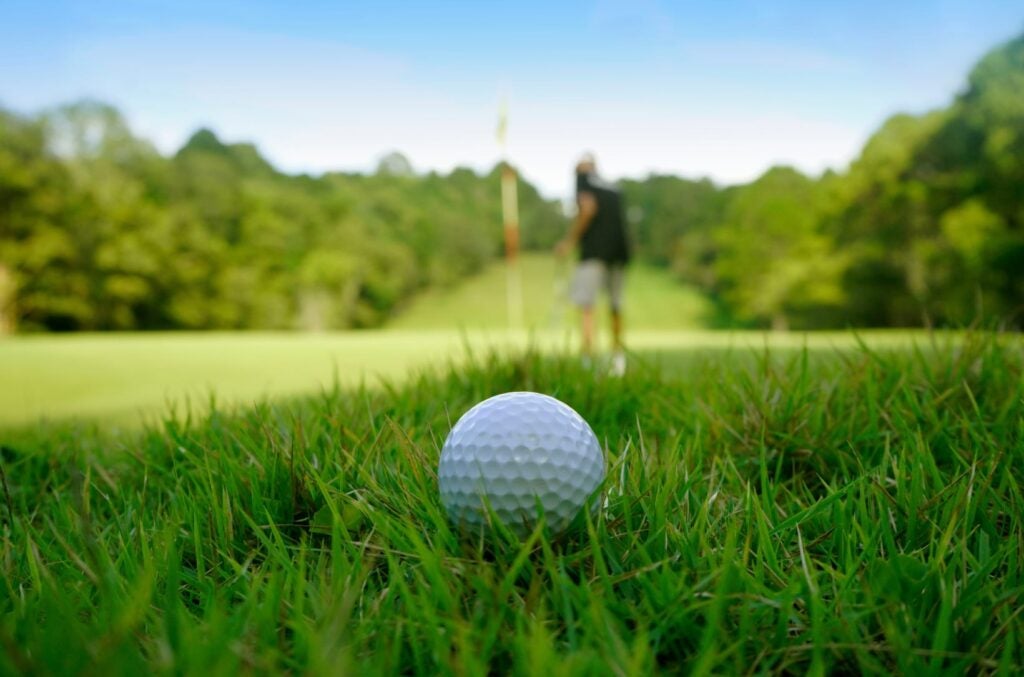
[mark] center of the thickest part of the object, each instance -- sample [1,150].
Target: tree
[395,164]
[933,213]
[35,243]
[774,262]
[99,231]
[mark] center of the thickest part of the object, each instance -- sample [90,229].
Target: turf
[124,378]
[654,300]
[118,376]
[815,511]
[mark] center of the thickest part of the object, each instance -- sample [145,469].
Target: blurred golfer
[600,231]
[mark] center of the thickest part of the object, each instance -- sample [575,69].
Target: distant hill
[654,300]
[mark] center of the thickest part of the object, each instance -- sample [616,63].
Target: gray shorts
[594,274]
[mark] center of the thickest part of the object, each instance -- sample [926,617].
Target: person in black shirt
[599,230]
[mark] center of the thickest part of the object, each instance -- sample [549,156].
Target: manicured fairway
[653,300]
[123,377]
[117,377]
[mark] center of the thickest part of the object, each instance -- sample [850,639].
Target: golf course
[536,339]
[129,379]
[773,502]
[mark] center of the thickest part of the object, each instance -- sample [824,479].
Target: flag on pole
[502,129]
[510,216]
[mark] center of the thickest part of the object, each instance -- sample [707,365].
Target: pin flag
[502,129]
[510,216]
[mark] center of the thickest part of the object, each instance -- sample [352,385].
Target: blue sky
[719,89]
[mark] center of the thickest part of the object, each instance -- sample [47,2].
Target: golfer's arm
[585,214]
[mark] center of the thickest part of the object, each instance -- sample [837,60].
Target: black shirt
[605,238]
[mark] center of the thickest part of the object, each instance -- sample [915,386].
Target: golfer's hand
[563,248]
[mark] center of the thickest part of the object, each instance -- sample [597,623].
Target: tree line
[99,231]
[926,227]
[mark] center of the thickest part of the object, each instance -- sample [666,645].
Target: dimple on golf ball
[515,452]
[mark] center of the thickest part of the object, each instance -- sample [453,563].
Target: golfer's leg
[616,280]
[617,344]
[616,275]
[584,292]
[587,318]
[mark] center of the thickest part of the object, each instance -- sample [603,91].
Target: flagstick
[510,217]
[510,212]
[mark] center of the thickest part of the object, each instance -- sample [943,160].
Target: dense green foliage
[854,512]
[926,226]
[98,231]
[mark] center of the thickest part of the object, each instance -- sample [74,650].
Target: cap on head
[587,163]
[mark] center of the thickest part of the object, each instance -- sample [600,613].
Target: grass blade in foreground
[849,512]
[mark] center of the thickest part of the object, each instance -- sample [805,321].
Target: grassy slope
[653,300]
[859,512]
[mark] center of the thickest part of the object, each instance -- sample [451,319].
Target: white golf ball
[515,451]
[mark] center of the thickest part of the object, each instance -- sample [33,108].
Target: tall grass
[859,512]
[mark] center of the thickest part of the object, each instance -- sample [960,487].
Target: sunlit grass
[122,377]
[119,376]
[654,300]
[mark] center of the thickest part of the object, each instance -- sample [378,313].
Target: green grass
[812,511]
[127,378]
[653,300]
[120,376]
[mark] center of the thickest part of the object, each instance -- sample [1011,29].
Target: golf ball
[514,452]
